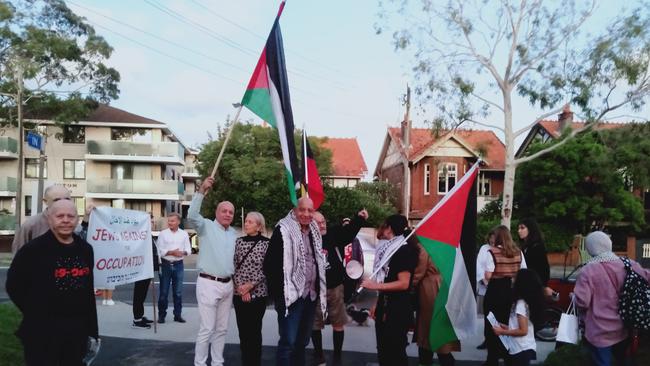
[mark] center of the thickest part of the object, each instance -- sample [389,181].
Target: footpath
[173,343]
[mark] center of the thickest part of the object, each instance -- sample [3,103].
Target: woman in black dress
[394,309]
[532,245]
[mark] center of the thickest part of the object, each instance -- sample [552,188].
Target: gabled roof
[106,113]
[347,160]
[477,141]
[553,127]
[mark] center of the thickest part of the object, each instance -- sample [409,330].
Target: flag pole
[153,296]
[225,143]
[426,217]
[305,186]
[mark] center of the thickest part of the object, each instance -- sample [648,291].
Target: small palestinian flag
[267,95]
[440,231]
[311,181]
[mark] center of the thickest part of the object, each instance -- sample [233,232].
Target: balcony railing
[135,151]
[8,184]
[8,146]
[135,186]
[7,222]
[190,171]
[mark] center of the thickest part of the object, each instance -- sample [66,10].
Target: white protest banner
[121,240]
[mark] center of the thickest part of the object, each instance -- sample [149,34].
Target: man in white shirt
[173,245]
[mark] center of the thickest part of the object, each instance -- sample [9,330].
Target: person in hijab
[596,295]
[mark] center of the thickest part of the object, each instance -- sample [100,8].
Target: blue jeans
[602,356]
[295,330]
[171,272]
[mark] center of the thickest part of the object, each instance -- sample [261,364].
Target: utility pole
[406,143]
[21,138]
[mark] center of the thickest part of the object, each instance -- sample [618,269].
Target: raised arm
[194,212]
[343,235]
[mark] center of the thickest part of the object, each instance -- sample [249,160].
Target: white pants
[215,300]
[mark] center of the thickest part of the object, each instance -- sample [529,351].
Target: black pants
[522,358]
[60,350]
[498,300]
[249,322]
[140,289]
[393,318]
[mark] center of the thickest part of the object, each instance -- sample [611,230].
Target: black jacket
[337,238]
[52,285]
[274,267]
[537,261]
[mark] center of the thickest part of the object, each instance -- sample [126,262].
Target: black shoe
[179,319]
[161,320]
[140,324]
[144,319]
[482,346]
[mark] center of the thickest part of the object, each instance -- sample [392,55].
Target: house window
[427,179]
[484,185]
[80,203]
[74,134]
[74,169]
[447,173]
[28,205]
[131,134]
[31,168]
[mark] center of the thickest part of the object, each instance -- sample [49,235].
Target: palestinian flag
[267,95]
[441,232]
[311,181]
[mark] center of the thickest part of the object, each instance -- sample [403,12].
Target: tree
[379,198]
[251,174]
[581,185]
[45,47]
[472,58]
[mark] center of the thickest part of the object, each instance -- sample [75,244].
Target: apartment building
[111,158]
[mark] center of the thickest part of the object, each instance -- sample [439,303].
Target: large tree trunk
[509,179]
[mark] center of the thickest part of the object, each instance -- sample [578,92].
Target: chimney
[565,119]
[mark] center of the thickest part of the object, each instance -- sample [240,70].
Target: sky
[185,62]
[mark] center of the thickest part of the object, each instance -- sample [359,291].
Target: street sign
[34,140]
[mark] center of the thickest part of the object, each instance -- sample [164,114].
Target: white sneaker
[104,302]
[110,302]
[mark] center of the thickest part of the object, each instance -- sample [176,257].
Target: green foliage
[379,198]
[11,350]
[578,185]
[251,173]
[52,48]
[569,354]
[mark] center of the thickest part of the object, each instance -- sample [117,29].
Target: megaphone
[354,269]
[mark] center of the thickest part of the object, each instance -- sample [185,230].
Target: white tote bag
[567,330]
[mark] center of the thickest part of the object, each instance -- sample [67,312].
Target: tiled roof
[106,113]
[553,127]
[478,140]
[347,160]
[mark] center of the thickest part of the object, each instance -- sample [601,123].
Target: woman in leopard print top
[250,287]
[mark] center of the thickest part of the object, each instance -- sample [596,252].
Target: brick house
[436,163]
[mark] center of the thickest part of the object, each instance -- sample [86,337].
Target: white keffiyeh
[383,254]
[293,258]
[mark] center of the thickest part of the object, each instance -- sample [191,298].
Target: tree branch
[484,125]
[487,101]
[538,120]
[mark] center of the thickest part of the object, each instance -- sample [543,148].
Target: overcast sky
[184,62]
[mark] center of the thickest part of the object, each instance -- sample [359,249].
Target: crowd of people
[300,269]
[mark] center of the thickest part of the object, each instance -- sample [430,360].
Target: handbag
[567,330]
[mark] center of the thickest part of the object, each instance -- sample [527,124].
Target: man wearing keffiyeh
[295,271]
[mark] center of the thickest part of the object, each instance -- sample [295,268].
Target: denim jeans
[295,330]
[601,356]
[170,272]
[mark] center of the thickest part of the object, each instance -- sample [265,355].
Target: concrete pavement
[115,322]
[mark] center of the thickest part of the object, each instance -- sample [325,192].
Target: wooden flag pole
[225,143]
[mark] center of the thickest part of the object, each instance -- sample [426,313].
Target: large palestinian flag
[311,178]
[440,232]
[267,95]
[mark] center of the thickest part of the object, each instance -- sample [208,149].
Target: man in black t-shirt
[334,242]
[51,281]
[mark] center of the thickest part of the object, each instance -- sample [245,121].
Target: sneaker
[482,346]
[179,319]
[141,324]
[104,302]
[161,320]
[320,360]
[110,302]
[148,321]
